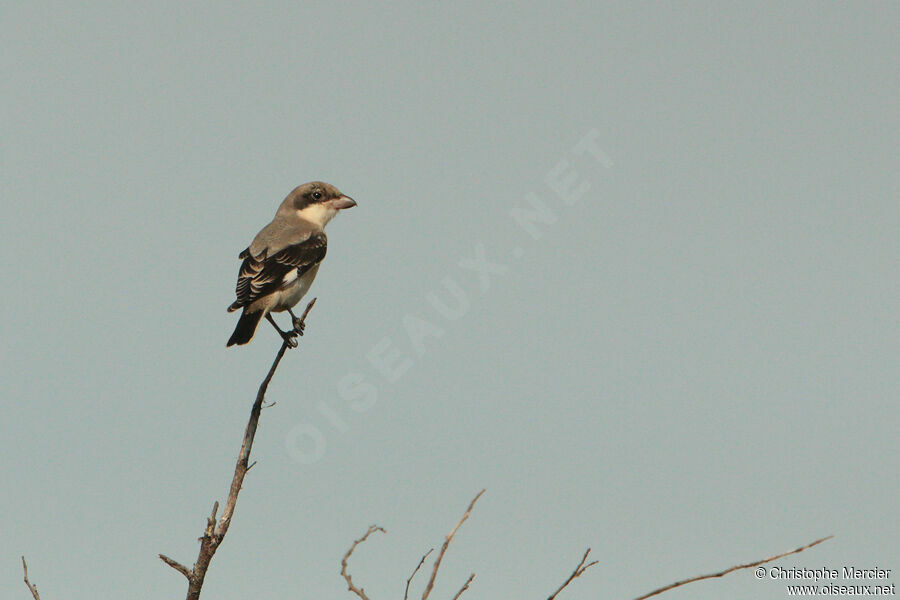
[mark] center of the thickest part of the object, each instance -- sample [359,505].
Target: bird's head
[317,202]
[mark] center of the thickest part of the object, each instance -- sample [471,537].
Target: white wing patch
[262,275]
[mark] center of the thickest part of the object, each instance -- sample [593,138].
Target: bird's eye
[317,195]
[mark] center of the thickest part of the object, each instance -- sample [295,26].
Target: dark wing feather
[261,275]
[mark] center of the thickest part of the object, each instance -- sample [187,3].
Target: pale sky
[632,268]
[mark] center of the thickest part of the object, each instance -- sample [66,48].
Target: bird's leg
[299,325]
[289,337]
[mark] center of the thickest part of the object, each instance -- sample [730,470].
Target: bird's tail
[246,327]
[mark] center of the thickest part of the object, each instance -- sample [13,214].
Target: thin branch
[732,569]
[215,530]
[447,540]
[578,572]
[358,591]
[31,587]
[416,570]
[464,587]
[241,468]
[176,565]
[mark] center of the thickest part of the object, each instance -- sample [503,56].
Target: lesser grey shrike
[280,264]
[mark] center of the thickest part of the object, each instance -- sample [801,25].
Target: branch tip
[578,572]
[344,573]
[416,570]
[31,586]
[464,587]
[732,569]
[177,566]
[447,540]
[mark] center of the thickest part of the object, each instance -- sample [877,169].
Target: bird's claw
[299,326]
[290,339]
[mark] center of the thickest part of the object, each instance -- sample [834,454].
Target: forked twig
[579,570]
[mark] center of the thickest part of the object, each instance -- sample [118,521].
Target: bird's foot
[290,338]
[299,326]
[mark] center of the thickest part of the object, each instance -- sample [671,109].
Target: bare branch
[241,467]
[447,540]
[358,591]
[464,587]
[579,570]
[215,531]
[732,569]
[176,565]
[416,570]
[31,587]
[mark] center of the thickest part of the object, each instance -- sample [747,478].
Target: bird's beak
[343,202]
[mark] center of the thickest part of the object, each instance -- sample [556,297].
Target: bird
[281,262]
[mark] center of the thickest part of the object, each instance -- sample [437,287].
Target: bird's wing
[262,274]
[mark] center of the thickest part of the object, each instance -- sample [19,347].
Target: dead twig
[416,570]
[31,587]
[579,570]
[176,565]
[358,591]
[464,587]
[447,540]
[215,530]
[731,569]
